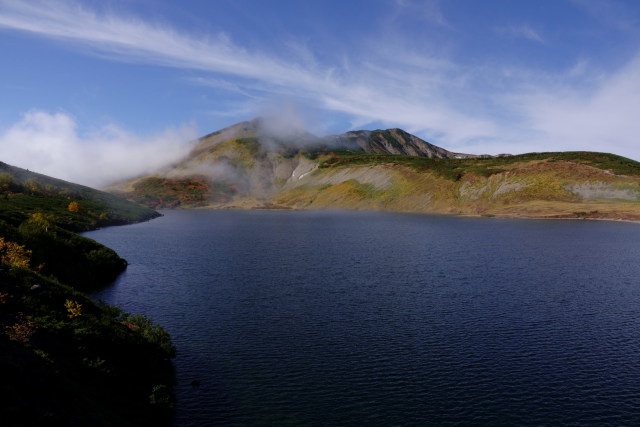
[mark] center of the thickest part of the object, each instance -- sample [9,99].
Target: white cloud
[363,93]
[603,120]
[557,116]
[475,108]
[134,40]
[50,144]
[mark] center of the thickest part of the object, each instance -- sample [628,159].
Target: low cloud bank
[49,143]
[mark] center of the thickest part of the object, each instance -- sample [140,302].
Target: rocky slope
[245,167]
[391,141]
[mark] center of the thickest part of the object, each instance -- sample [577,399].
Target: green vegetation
[455,169]
[251,145]
[73,207]
[64,359]
[41,213]
[70,258]
[241,152]
[191,191]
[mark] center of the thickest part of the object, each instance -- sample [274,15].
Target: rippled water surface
[334,318]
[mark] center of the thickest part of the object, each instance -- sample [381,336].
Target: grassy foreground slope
[65,360]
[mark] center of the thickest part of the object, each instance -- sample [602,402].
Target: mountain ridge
[378,141]
[244,166]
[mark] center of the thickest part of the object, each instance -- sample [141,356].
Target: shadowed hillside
[65,359]
[23,192]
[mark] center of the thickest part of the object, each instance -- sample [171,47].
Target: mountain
[254,165]
[392,141]
[389,141]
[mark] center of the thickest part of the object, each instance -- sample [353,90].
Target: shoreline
[551,216]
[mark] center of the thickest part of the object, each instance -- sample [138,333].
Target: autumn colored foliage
[65,359]
[22,329]
[14,254]
[192,191]
[74,207]
[74,308]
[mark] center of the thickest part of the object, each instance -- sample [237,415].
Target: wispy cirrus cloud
[428,11]
[395,80]
[556,114]
[600,119]
[361,93]
[614,13]
[131,39]
[524,31]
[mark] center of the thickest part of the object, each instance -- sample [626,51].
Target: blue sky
[94,90]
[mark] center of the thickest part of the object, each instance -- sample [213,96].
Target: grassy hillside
[455,169]
[549,185]
[65,360]
[23,193]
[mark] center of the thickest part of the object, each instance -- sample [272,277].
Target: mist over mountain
[278,136]
[259,164]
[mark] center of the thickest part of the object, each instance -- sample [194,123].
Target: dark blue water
[334,318]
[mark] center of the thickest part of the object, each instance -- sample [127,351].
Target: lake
[355,318]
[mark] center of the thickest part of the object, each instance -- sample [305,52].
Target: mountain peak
[394,141]
[275,133]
